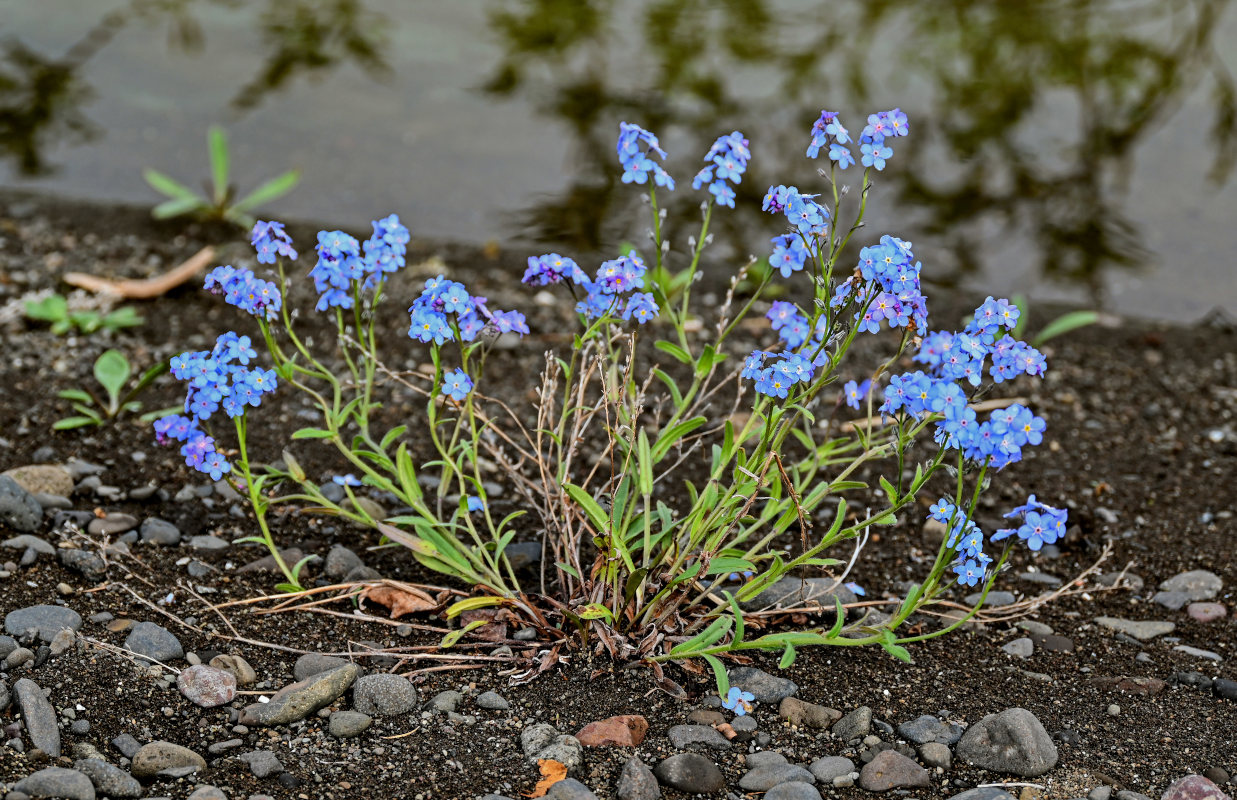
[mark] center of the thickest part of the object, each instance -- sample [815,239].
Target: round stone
[384,695]
[207,686]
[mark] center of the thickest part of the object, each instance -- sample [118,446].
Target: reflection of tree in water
[41,97]
[1041,108]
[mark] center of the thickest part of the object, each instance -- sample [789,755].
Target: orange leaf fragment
[552,772]
[400,601]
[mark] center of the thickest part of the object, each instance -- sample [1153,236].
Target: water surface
[1075,150]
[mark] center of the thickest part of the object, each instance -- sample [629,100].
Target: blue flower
[727,159]
[475,504]
[242,289]
[854,392]
[270,239]
[634,145]
[642,307]
[456,385]
[552,268]
[841,155]
[346,480]
[874,154]
[738,701]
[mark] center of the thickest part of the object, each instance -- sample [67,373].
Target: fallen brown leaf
[552,772]
[400,602]
[725,730]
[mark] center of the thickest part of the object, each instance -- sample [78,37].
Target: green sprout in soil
[112,371]
[54,309]
[220,205]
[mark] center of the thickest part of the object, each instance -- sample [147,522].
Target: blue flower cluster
[955,357]
[604,295]
[886,287]
[809,219]
[219,378]
[728,159]
[249,293]
[873,148]
[1041,524]
[803,354]
[343,260]
[634,146]
[271,240]
[445,312]
[965,537]
[198,449]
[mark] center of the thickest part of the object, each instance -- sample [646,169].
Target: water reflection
[1028,116]
[41,97]
[1071,139]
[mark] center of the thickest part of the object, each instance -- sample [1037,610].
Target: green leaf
[723,565]
[79,395]
[289,588]
[123,317]
[174,208]
[49,309]
[739,628]
[839,620]
[843,486]
[217,144]
[300,565]
[673,349]
[472,604]
[565,567]
[165,185]
[151,416]
[112,370]
[890,491]
[599,519]
[719,672]
[706,638]
[294,467]
[644,464]
[312,433]
[69,423]
[673,434]
[633,584]
[671,385]
[271,190]
[454,636]
[392,435]
[788,656]
[1064,324]
[88,321]
[894,649]
[595,611]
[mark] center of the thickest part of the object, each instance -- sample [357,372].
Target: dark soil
[1142,447]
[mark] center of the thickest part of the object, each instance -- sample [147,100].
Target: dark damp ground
[1141,447]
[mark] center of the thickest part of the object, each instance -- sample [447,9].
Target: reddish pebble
[207,686]
[1206,612]
[623,731]
[1194,787]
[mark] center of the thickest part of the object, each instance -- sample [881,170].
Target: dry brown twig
[149,287]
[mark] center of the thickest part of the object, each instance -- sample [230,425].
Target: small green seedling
[112,371]
[183,200]
[1058,327]
[55,310]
